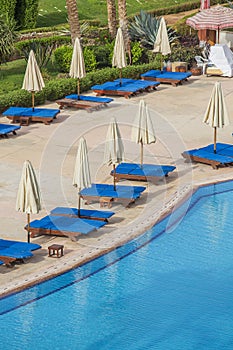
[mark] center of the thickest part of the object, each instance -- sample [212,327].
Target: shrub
[137,52]
[89,59]
[58,88]
[102,55]
[186,54]
[62,57]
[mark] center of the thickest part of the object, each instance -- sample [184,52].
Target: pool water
[162,291]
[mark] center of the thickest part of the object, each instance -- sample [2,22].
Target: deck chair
[201,62]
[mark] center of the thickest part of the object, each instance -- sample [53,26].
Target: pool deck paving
[177,115]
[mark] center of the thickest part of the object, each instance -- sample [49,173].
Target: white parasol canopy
[82,177]
[216,113]
[143,130]
[33,80]
[28,197]
[119,55]
[114,149]
[161,43]
[77,67]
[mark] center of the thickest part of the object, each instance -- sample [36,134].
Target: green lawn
[12,74]
[53,12]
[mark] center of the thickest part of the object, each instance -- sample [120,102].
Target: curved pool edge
[131,232]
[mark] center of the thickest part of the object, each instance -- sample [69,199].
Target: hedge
[58,88]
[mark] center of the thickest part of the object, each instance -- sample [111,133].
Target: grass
[12,74]
[54,12]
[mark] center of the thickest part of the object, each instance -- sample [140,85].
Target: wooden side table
[56,249]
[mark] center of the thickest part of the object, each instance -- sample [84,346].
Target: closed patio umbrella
[214,18]
[114,149]
[216,113]
[77,67]
[28,197]
[33,80]
[161,43]
[119,55]
[82,177]
[143,131]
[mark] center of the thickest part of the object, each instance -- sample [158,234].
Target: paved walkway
[177,116]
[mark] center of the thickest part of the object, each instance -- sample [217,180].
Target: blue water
[163,291]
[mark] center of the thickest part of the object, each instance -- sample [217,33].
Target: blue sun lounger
[84,213]
[123,194]
[146,172]
[173,78]
[10,251]
[89,103]
[5,129]
[63,226]
[206,155]
[90,98]
[124,87]
[24,115]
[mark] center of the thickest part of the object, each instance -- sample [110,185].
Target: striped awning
[215,18]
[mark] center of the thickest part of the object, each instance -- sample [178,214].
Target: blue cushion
[15,253]
[107,190]
[90,98]
[18,245]
[28,112]
[7,128]
[67,224]
[167,75]
[144,170]
[210,156]
[83,212]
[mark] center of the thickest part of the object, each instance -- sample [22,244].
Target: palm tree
[123,21]
[112,22]
[7,39]
[72,11]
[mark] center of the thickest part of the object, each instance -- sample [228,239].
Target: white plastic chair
[201,62]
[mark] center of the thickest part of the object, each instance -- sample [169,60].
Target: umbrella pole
[114,177]
[33,100]
[79,204]
[215,139]
[28,228]
[141,153]
[218,35]
[78,88]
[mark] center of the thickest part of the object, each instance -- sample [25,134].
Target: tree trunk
[123,22]
[112,21]
[73,20]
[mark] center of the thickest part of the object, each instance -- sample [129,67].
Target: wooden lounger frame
[173,82]
[43,231]
[7,260]
[126,202]
[126,94]
[89,106]
[215,164]
[119,177]
[25,120]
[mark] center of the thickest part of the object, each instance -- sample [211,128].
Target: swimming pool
[161,291]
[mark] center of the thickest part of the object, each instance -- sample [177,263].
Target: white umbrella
[33,80]
[216,113]
[82,177]
[28,197]
[119,55]
[77,67]
[114,149]
[143,131]
[161,43]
